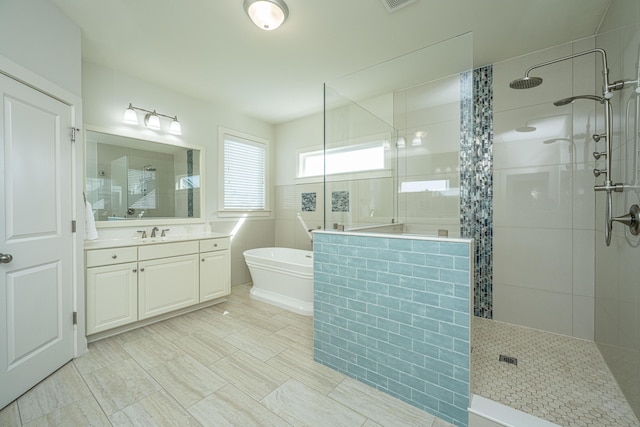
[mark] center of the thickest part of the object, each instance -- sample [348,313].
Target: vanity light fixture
[151,119]
[267,14]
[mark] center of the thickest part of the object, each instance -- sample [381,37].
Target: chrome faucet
[153,232]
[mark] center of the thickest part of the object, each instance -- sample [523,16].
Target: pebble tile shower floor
[557,378]
[239,363]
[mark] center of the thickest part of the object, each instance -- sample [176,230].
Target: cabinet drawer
[209,245]
[167,250]
[111,256]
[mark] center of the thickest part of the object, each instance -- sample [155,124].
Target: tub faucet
[153,232]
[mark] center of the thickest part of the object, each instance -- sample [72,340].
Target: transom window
[354,158]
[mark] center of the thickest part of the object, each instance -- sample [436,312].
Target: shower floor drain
[508,359]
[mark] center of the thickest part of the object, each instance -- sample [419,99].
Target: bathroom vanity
[131,283]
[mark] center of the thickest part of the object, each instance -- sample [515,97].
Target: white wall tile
[535,258]
[533,197]
[583,317]
[554,86]
[584,206]
[548,311]
[583,263]
[606,328]
[548,144]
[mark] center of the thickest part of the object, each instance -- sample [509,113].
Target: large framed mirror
[131,181]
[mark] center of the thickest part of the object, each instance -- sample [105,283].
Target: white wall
[543,253]
[39,37]
[307,132]
[108,92]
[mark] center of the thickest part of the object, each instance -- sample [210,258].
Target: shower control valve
[599,154]
[598,136]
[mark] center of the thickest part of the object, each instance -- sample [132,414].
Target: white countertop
[137,241]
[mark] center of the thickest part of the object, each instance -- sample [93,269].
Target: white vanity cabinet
[125,285]
[215,266]
[168,277]
[112,288]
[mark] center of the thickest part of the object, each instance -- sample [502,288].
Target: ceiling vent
[393,5]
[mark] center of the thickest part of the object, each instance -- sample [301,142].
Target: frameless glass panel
[411,106]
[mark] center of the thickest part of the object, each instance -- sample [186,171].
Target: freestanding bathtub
[282,277]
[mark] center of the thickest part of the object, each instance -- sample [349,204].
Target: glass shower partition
[393,134]
[360,165]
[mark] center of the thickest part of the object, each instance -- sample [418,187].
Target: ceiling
[210,50]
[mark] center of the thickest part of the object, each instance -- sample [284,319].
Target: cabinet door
[167,284]
[112,296]
[215,272]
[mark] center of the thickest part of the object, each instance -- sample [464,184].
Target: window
[243,172]
[354,158]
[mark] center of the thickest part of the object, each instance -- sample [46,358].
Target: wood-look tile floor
[239,363]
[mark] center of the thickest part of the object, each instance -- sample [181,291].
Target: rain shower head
[526,82]
[569,100]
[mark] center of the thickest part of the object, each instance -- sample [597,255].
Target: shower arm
[606,94]
[607,87]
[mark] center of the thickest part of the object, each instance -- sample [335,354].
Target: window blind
[244,174]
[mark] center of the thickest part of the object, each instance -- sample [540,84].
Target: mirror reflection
[132,179]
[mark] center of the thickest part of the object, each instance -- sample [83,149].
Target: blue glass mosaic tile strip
[476,180]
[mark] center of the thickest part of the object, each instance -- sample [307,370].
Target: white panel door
[36,291]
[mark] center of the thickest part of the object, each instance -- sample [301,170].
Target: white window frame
[222,212]
[345,175]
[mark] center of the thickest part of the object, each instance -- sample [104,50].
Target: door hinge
[73,134]
[73,226]
[75,317]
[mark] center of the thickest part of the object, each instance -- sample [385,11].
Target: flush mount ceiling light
[266,14]
[151,119]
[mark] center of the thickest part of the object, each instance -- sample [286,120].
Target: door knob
[6,258]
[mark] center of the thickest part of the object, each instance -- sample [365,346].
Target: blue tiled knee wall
[394,313]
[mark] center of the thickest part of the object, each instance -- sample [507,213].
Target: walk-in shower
[528,82]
